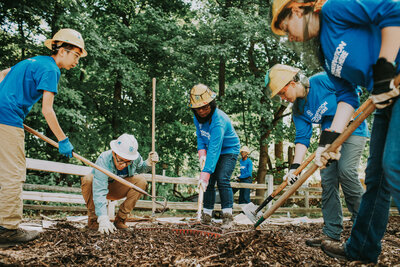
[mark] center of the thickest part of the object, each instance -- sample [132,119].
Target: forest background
[225,44]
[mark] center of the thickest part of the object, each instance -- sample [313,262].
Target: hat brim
[115,149]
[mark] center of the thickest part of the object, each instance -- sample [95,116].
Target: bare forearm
[299,153]
[390,43]
[342,117]
[52,121]
[4,73]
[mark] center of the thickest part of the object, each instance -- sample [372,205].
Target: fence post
[270,181]
[307,200]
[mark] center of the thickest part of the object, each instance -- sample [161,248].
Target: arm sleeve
[141,165]
[383,13]
[303,131]
[345,91]
[217,132]
[200,142]
[100,188]
[48,81]
[250,168]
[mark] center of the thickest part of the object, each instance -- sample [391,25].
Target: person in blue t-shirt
[218,148]
[315,103]
[125,161]
[21,86]
[246,170]
[360,45]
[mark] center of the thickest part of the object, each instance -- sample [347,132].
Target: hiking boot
[93,224]
[14,236]
[205,218]
[334,249]
[316,242]
[227,221]
[120,223]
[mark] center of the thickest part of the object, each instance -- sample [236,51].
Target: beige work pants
[12,175]
[116,191]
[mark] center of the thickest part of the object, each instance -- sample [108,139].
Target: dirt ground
[160,244]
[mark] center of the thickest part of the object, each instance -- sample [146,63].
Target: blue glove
[65,147]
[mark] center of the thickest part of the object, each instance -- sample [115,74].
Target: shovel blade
[250,211]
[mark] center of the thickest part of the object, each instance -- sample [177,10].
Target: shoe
[14,236]
[205,218]
[334,249]
[93,224]
[120,223]
[316,242]
[227,221]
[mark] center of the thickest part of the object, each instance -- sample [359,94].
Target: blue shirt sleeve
[100,186]
[382,13]
[48,81]
[345,91]
[217,131]
[200,142]
[303,130]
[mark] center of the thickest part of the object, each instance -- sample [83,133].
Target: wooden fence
[71,195]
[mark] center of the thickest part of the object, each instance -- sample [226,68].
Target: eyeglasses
[77,55]
[121,161]
[203,107]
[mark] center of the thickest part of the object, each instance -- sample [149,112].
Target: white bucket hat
[125,146]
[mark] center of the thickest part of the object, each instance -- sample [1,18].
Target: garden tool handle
[106,172]
[367,110]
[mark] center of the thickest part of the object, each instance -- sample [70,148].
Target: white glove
[105,226]
[203,180]
[290,177]
[153,157]
[202,162]
[322,157]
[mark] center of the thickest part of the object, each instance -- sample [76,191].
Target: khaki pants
[12,175]
[116,191]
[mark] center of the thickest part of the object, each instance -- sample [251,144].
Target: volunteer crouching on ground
[123,160]
[21,86]
[246,170]
[217,144]
[359,45]
[315,103]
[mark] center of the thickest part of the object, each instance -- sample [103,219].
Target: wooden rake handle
[367,108]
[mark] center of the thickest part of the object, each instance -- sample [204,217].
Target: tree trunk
[221,76]
[115,123]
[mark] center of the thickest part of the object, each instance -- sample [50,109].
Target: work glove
[203,180]
[105,226]
[290,178]
[65,147]
[202,158]
[153,157]
[384,89]
[322,158]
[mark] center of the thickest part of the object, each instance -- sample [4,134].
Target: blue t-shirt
[246,168]
[319,107]
[23,86]
[350,37]
[217,138]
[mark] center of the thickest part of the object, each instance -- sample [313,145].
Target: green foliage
[129,42]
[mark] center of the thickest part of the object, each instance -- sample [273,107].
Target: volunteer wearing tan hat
[246,170]
[21,86]
[123,160]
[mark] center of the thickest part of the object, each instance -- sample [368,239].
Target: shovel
[254,213]
[367,108]
[106,172]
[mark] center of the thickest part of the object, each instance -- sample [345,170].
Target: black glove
[384,90]
[323,159]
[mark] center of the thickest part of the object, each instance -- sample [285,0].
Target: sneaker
[205,218]
[227,221]
[316,242]
[14,236]
[334,249]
